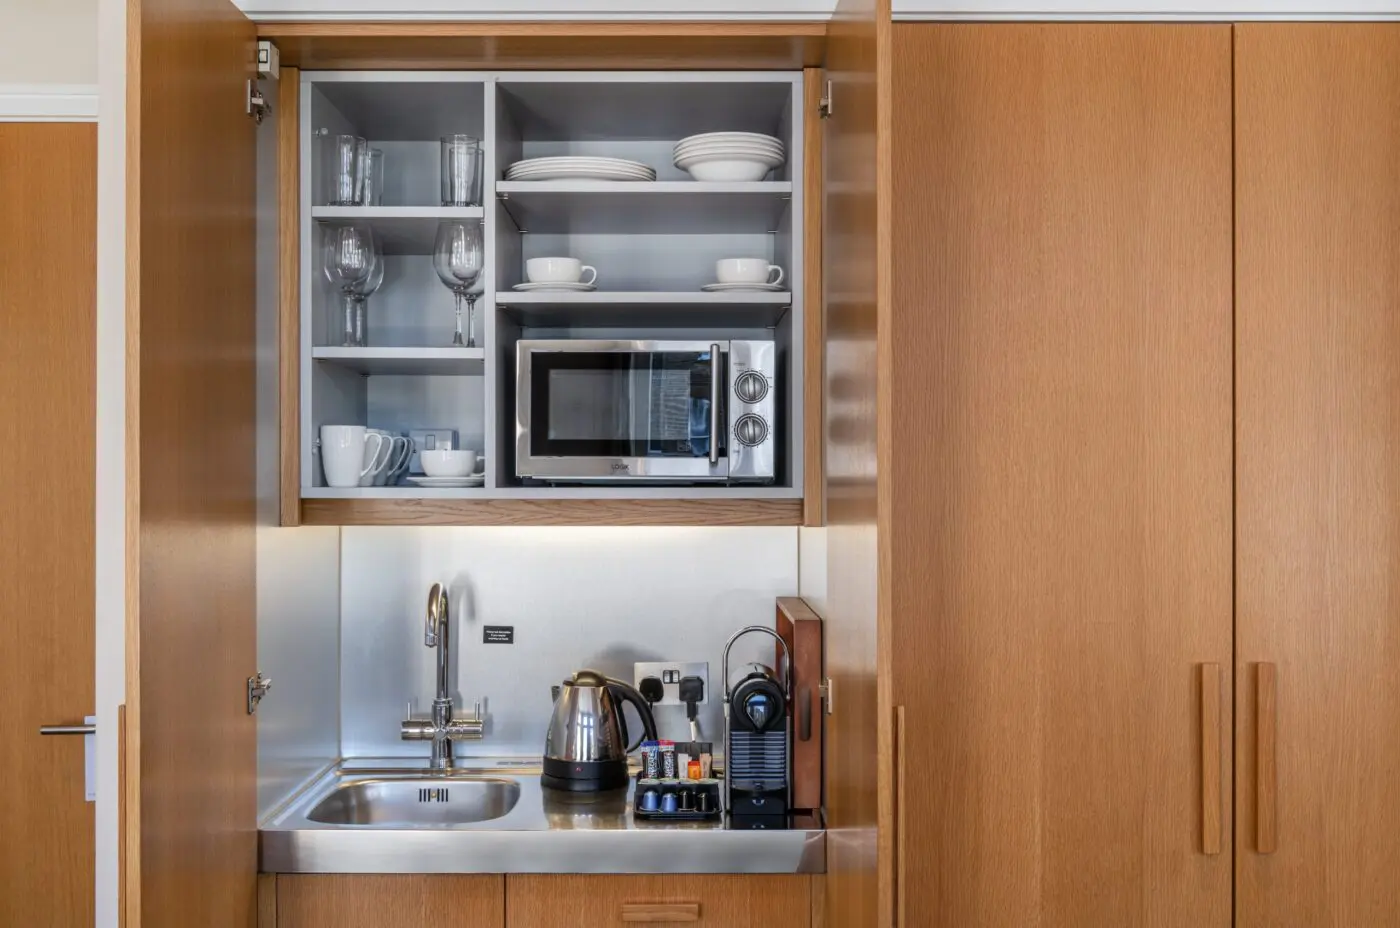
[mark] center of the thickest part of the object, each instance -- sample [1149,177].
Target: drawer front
[389,901]
[658,900]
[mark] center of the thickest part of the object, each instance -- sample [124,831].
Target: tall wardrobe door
[1318,450]
[1060,511]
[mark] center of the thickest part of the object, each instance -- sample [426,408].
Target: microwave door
[620,414]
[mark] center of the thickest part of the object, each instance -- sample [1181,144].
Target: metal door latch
[257,689]
[826,690]
[257,107]
[824,105]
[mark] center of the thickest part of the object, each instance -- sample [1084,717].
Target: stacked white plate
[571,167]
[728,157]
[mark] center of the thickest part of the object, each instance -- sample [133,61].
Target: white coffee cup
[376,457]
[349,454]
[448,463]
[558,271]
[747,271]
[399,454]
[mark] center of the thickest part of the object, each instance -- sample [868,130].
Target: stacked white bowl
[728,157]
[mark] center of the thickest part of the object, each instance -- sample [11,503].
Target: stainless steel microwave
[646,411]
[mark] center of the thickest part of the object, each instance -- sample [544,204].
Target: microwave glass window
[620,404]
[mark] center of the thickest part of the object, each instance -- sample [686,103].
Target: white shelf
[401,230]
[632,307]
[644,207]
[422,361]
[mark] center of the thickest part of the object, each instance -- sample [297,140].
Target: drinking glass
[343,165]
[459,256]
[349,258]
[460,167]
[372,188]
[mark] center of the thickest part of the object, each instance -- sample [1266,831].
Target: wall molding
[48,102]
[1162,10]
[537,10]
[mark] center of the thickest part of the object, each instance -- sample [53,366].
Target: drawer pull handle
[1266,758]
[1210,759]
[661,911]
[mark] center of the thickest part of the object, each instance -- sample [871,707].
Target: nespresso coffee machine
[757,736]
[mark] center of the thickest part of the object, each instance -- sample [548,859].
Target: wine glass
[361,293]
[349,258]
[459,256]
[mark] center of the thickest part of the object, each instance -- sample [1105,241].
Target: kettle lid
[588,678]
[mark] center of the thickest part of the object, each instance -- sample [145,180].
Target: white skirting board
[539,10]
[1163,10]
[48,102]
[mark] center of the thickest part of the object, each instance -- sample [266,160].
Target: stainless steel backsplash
[577,597]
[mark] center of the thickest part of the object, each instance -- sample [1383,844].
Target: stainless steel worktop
[543,832]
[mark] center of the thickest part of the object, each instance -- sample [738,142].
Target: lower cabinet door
[708,900]
[390,901]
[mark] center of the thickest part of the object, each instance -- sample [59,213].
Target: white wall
[48,42]
[577,597]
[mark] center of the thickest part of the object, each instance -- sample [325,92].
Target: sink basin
[407,802]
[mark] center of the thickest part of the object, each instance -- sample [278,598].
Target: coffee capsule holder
[675,787]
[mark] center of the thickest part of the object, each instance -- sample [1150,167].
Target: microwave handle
[714,403]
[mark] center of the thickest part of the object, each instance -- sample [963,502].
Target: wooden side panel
[1061,475]
[801,630]
[191,636]
[289,294]
[711,900]
[855,165]
[48,269]
[390,901]
[814,328]
[1318,510]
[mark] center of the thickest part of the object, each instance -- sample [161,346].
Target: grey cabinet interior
[654,245]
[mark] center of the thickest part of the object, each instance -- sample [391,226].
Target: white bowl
[747,146]
[730,137]
[443,463]
[728,171]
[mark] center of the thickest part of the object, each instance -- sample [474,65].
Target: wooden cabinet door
[1060,484]
[356,900]
[1318,451]
[709,900]
[190,509]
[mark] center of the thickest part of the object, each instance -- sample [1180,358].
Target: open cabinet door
[859,886]
[191,830]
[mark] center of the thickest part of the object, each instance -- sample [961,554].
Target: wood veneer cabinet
[1317,413]
[390,901]
[1059,474]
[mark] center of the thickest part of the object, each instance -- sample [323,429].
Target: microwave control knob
[750,386]
[751,430]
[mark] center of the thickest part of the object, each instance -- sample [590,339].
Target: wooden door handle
[899,817]
[1210,759]
[661,911]
[1266,758]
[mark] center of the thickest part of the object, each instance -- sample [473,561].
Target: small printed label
[498,634]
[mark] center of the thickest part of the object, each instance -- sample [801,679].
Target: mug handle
[771,269]
[402,458]
[374,464]
[592,280]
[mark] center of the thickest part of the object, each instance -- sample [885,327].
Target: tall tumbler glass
[343,165]
[372,190]
[461,170]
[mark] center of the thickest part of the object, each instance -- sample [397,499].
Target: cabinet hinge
[824,105]
[258,686]
[258,107]
[826,691]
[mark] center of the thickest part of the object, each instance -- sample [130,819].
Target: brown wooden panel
[603,901]
[814,313]
[801,630]
[390,901]
[289,293]
[190,444]
[1318,473]
[1060,549]
[855,164]
[551,512]
[559,45]
[48,270]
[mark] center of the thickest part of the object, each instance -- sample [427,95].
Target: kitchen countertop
[544,832]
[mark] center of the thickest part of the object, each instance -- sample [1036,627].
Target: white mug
[747,271]
[402,449]
[377,460]
[559,271]
[345,456]
[398,449]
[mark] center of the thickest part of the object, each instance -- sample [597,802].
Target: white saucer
[752,288]
[559,286]
[476,480]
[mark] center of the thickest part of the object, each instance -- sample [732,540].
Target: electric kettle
[586,747]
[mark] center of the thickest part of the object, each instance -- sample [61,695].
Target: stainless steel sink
[415,801]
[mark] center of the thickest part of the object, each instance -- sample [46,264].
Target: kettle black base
[584,776]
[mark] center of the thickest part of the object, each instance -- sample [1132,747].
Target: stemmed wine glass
[351,262]
[459,257]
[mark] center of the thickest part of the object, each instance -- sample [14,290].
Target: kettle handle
[628,693]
